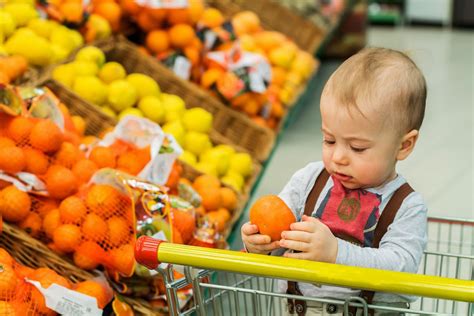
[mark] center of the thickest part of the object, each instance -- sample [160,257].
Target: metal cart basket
[236,283]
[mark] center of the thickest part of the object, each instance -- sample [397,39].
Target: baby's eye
[357,149]
[329,142]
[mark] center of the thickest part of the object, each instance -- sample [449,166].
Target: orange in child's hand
[51,221]
[103,157]
[31,224]
[15,204]
[67,237]
[12,159]
[272,216]
[104,200]
[46,136]
[60,182]
[119,231]
[94,228]
[84,170]
[72,210]
[93,289]
[36,161]
[19,129]
[8,281]
[157,41]
[181,35]
[68,155]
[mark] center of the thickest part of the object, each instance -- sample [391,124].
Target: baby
[355,209]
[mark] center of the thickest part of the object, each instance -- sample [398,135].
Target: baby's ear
[407,144]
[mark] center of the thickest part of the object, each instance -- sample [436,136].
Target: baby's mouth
[341,176]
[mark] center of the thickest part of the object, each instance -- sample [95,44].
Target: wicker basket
[276,17]
[33,253]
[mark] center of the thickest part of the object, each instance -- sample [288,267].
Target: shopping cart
[236,283]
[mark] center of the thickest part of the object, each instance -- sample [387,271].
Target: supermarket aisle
[441,168]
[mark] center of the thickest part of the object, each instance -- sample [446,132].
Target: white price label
[163,4]
[182,67]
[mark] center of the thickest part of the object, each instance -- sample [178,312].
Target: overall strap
[298,307]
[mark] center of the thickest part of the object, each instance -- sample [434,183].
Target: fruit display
[24,290]
[12,68]
[256,71]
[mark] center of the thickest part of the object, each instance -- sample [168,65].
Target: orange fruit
[211,198]
[46,277]
[272,216]
[178,16]
[278,76]
[79,124]
[12,159]
[193,54]
[93,289]
[39,303]
[123,259]
[146,22]
[15,204]
[6,142]
[176,238]
[200,210]
[8,281]
[110,11]
[185,223]
[195,10]
[19,129]
[219,218]
[260,121]
[87,254]
[84,170]
[229,198]
[158,15]
[51,221]
[71,11]
[181,35]
[212,18]
[157,41]
[206,181]
[94,228]
[60,182]
[43,206]
[67,237]
[103,200]
[4,78]
[129,7]
[103,157]
[36,162]
[23,271]
[72,210]
[46,136]
[130,162]
[210,76]
[5,258]
[119,231]
[31,224]
[245,22]
[68,155]
[277,110]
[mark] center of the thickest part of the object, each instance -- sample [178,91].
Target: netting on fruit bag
[139,147]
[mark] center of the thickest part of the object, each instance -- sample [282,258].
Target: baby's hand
[314,239]
[255,242]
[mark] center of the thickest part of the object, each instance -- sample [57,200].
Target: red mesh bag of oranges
[139,147]
[42,291]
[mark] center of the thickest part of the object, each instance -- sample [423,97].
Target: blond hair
[385,78]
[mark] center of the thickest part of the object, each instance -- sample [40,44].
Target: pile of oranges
[17,297]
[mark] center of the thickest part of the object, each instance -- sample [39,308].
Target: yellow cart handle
[151,252]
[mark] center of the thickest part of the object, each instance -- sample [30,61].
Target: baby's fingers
[249,229]
[269,247]
[258,239]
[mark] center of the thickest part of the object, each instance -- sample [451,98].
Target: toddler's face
[359,149]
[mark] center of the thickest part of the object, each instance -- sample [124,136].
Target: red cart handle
[146,251]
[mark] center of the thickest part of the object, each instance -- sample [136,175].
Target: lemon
[92,54]
[196,142]
[42,27]
[197,120]
[21,13]
[145,85]
[59,53]
[3,51]
[242,164]
[108,110]
[122,95]
[100,26]
[174,106]
[176,129]
[152,108]
[225,148]
[62,37]
[234,179]
[188,157]
[85,68]
[7,24]
[64,74]
[219,158]
[91,89]
[34,48]
[112,71]
[207,168]
[130,111]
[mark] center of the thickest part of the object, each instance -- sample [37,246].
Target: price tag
[182,67]
[164,4]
